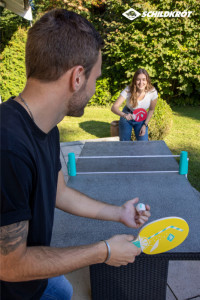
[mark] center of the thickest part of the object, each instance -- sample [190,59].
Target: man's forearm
[79,204]
[46,262]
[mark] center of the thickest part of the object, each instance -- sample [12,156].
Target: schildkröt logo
[132,14]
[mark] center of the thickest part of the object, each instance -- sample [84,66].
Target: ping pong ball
[140,207]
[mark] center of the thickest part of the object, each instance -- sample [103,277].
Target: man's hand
[130,217]
[122,250]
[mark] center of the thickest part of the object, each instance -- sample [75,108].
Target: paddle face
[162,235]
[139,114]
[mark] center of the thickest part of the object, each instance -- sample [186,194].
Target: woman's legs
[137,126]
[125,130]
[125,127]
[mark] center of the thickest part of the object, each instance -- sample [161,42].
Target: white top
[144,103]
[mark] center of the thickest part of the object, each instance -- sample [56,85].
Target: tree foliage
[168,48]
[9,24]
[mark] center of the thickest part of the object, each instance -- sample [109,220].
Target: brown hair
[57,42]
[133,90]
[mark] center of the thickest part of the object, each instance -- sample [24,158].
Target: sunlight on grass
[95,123]
[184,135]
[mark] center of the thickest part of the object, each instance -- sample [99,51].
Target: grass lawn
[184,135]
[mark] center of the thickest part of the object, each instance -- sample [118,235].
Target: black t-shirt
[30,162]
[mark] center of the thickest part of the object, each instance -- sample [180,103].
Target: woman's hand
[142,130]
[128,117]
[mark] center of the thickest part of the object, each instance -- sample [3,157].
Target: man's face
[80,99]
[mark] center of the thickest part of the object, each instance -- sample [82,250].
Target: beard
[78,102]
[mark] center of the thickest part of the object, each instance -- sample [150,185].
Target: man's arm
[22,263]
[74,202]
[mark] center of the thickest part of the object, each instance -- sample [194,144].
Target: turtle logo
[131,14]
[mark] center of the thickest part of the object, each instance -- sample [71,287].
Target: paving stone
[80,281]
[74,143]
[67,149]
[170,295]
[66,178]
[184,279]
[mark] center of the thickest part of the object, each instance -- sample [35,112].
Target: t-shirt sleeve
[154,95]
[125,92]
[58,149]
[16,186]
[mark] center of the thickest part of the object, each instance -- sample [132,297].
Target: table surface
[168,194]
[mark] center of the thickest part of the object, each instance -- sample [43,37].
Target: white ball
[140,207]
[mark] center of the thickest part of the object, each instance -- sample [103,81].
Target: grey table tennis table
[153,177]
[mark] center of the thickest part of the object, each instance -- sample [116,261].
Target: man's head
[84,90]
[59,41]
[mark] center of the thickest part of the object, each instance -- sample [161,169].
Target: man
[63,61]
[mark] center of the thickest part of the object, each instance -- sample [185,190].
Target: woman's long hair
[133,89]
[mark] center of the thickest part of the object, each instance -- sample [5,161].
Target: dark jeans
[58,288]
[125,128]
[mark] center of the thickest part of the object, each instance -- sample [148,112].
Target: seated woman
[140,94]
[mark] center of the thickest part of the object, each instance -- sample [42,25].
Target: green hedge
[166,47]
[12,69]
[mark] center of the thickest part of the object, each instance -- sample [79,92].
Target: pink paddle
[139,114]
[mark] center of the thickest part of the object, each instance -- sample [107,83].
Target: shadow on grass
[97,128]
[66,134]
[187,111]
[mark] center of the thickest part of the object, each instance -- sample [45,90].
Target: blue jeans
[125,128]
[58,288]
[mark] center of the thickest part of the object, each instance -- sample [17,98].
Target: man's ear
[77,78]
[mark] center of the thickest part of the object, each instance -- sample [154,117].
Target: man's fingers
[135,200]
[130,237]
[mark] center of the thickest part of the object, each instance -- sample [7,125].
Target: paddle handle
[136,242]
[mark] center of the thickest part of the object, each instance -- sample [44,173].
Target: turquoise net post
[71,165]
[183,165]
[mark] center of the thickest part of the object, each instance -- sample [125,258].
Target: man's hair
[59,41]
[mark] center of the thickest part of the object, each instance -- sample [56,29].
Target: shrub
[12,69]
[161,121]
[102,95]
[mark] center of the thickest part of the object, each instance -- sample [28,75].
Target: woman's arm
[149,115]
[151,110]
[115,108]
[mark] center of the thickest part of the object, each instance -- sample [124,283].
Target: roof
[20,7]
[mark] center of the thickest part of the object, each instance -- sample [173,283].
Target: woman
[140,94]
